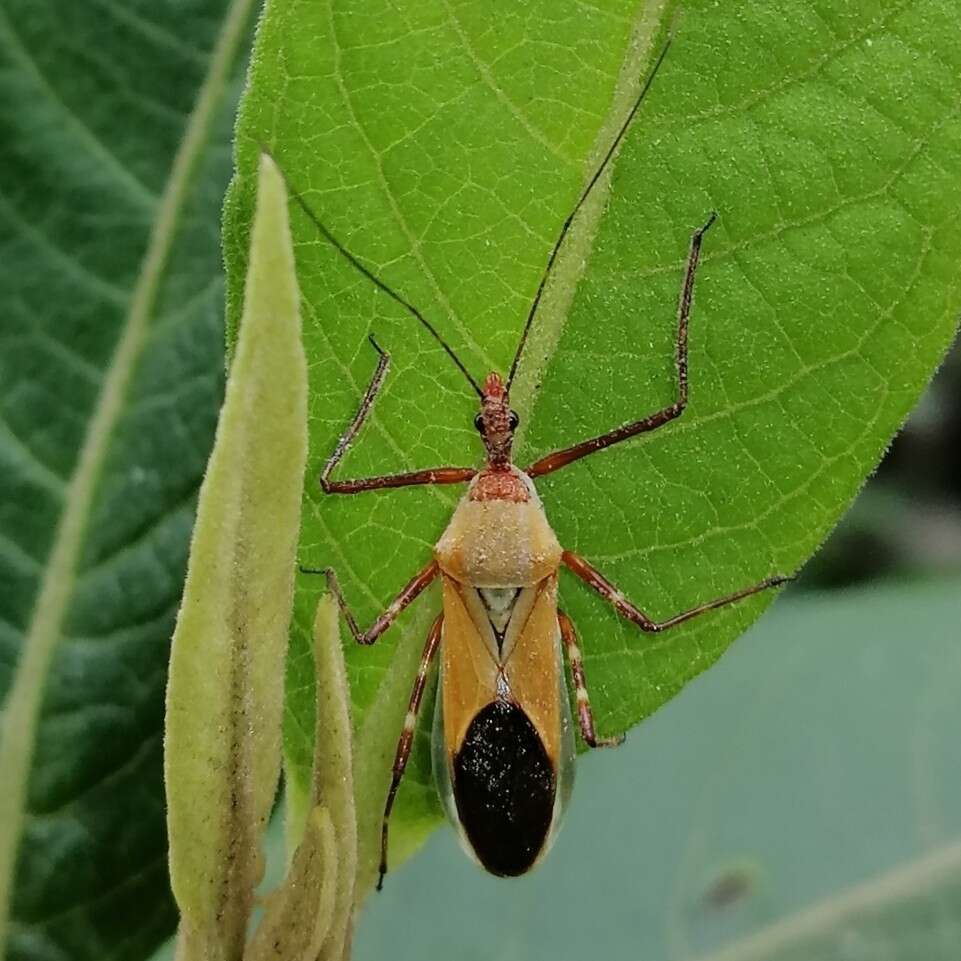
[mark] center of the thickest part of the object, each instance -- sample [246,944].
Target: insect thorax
[499,543]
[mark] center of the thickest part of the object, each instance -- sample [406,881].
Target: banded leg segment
[593,578]
[435,475]
[561,458]
[414,588]
[407,737]
[585,715]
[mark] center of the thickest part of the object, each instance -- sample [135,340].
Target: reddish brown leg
[584,713]
[625,608]
[414,588]
[435,475]
[561,458]
[407,736]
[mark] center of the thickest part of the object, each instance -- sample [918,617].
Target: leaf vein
[70,266]
[491,83]
[398,215]
[137,190]
[36,467]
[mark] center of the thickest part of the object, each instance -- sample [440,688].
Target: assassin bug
[503,746]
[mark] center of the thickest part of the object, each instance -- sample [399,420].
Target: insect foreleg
[593,578]
[585,715]
[417,584]
[436,475]
[407,736]
[561,458]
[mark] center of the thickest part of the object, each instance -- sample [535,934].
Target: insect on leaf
[444,143]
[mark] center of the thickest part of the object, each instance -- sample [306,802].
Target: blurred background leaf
[111,361]
[799,801]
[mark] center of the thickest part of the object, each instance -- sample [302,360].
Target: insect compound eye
[514,420]
[479,422]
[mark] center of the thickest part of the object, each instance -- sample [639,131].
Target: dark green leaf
[114,120]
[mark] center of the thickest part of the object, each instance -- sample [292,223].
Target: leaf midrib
[21,710]
[573,257]
[375,738]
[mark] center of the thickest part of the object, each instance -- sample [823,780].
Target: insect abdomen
[504,786]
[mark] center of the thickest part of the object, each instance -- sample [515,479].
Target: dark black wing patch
[504,785]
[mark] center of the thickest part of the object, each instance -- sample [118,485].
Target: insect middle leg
[561,458]
[595,579]
[413,589]
[407,737]
[434,475]
[585,715]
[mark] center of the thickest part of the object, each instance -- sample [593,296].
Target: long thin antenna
[570,217]
[374,279]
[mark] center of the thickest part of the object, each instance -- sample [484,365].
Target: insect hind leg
[406,741]
[585,715]
[414,588]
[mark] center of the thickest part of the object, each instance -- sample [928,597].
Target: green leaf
[114,120]
[222,736]
[444,143]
